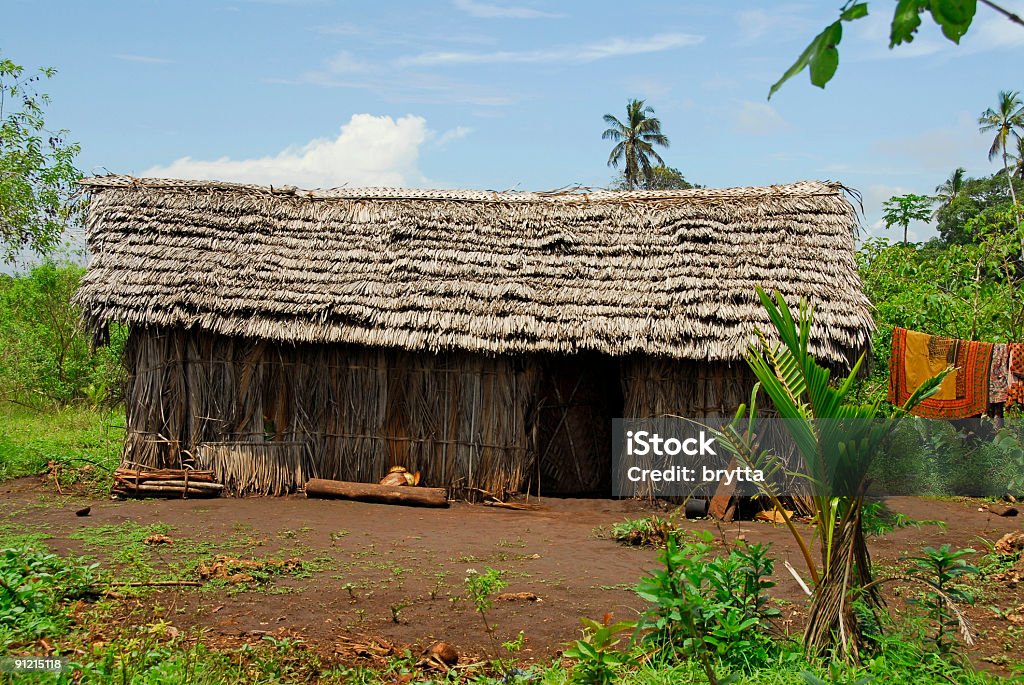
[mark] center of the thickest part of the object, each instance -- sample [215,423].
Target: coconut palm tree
[634,142]
[950,189]
[1018,167]
[1006,120]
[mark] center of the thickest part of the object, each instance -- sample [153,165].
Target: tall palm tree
[635,141]
[950,189]
[1018,167]
[1006,121]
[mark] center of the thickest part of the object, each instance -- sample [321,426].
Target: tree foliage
[972,290]
[1006,121]
[634,143]
[662,178]
[1018,159]
[821,57]
[38,179]
[950,189]
[900,210]
[44,353]
[987,196]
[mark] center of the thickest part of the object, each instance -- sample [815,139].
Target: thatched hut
[485,339]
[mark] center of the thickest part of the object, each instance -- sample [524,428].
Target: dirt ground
[397,572]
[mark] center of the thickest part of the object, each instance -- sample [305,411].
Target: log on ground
[379,494]
[155,490]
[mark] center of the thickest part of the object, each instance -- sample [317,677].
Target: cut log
[379,494]
[162,474]
[168,491]
[192,484]
[1000,510]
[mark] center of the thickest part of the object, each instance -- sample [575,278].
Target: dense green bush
[925,457]
[45,355]
[36,587]
[710,605]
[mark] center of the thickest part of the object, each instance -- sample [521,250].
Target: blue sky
[508,94]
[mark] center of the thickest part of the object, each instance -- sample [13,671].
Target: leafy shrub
[939,569]
[44,352]
[35,588]
[710,606]
[598,658]
[481,588]
[925,457]
[651,531]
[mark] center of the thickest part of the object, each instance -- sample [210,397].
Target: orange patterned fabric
[972,361]
[1015,392]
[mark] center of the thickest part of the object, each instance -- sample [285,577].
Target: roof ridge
[565,194]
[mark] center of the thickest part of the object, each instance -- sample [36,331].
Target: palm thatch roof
[664,273]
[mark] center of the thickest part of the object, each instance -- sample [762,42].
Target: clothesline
[984,373]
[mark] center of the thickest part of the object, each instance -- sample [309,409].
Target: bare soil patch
[372,571]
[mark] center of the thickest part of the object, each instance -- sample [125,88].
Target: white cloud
[345,28]
[759,119]
[611,47]
[457,133]
[425,88]
[345,62]
[994,32]
[646,88]
[369,150]
[145,59]
[484,10]
[344,70]
[719,82]
[780,21]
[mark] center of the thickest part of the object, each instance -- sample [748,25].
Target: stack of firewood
[165,483]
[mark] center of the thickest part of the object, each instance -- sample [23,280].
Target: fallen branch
[155,583]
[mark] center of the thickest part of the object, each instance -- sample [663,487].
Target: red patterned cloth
[972,361]
[1015,379]
[1016,351]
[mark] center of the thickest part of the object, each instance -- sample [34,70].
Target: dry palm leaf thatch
[660,273]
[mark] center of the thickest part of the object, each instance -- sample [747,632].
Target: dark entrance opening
[579,397]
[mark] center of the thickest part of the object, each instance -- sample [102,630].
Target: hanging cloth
[1015,376]
[999,375]
[916,357]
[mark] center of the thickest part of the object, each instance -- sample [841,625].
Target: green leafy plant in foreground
[481,588]
[35,589]
[821,57]
[713,608]
[939,568]
[598,660]
[836,440]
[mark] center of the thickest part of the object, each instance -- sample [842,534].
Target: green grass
[85,442]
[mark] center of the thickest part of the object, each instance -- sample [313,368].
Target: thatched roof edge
[663,273]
